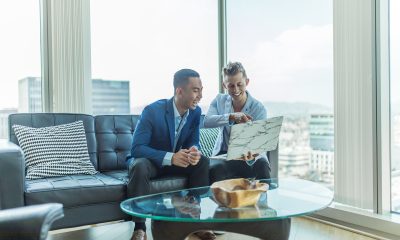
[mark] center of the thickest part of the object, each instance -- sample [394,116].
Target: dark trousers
[142,170]
[222,170]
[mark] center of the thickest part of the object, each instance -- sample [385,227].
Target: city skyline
[108,96]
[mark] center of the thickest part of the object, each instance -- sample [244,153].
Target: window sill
[383,226]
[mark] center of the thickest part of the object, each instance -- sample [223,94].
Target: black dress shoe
[139,235]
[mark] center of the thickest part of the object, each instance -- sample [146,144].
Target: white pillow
[54,151]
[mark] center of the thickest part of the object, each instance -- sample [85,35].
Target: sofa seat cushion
[75,190]
[157,185]
[121,175]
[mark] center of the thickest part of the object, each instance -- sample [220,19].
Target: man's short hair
[181,77]
[233,68]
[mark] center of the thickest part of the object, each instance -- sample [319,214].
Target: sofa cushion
[38,120]
[121,175]
[157,185]
[76,190]
[54,151]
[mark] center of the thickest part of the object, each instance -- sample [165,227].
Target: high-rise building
[29,95]
[294,149]
[322,146]
[321,132]
[4,121]
[294,161]
[110,97]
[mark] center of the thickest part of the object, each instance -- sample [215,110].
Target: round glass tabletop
[285,198]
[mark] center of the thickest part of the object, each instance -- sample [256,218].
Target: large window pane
[20,84]
[141,44]
[287,49]
[395,100]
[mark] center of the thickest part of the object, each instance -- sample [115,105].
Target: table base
[267,230]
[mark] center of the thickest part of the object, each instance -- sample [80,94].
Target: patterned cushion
[208,137]
[54,151]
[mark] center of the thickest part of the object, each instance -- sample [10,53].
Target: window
[395,101]
[137,46]
[20,85]
[287,50]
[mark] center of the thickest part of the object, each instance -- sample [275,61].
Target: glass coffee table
[177,214]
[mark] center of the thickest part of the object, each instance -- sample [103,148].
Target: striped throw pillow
[54,151]
[208,137]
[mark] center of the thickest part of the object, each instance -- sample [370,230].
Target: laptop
[255,136]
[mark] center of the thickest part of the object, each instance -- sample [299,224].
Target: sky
[19,47]
[286,46]
[296,52]
[148,49]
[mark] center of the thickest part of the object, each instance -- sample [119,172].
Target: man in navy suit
[166,141]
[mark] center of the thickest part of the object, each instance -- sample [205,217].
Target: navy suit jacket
[155,132]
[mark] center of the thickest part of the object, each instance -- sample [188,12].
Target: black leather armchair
[29,223]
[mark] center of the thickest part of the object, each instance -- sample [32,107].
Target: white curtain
[354,86]
[69,72]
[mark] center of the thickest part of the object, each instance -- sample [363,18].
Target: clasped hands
[186,157]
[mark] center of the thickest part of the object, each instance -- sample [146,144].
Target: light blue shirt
[179,122]
[218,116]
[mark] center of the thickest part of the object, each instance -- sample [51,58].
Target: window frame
[380,221]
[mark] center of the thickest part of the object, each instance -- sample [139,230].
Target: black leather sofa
[87,199]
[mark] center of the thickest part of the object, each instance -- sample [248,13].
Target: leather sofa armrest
[12,175]
[29,223]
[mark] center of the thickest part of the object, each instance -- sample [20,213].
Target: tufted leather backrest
[109,137]
[38,120]
[114,134]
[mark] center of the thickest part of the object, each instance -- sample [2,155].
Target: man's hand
[194,155]
[249,156]
[240,117]
[181,158]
